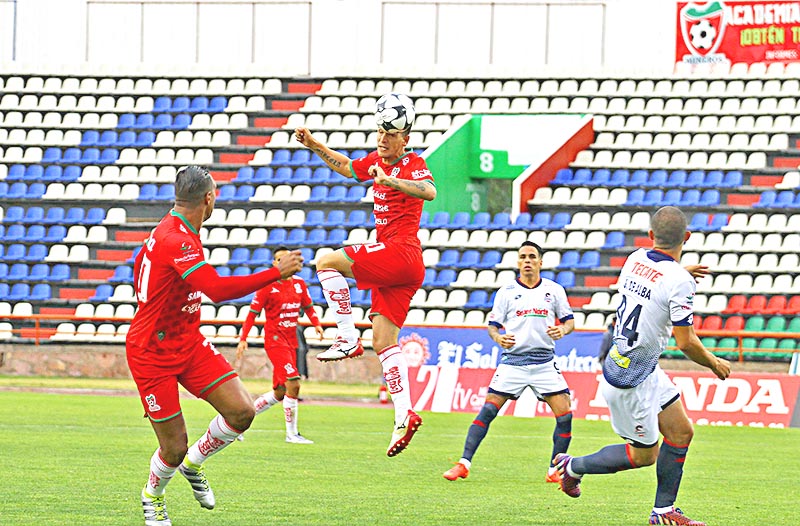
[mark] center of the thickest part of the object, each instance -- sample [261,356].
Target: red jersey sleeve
[182,253]
[360,167]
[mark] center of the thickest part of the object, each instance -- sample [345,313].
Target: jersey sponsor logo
[420,174]
[152,405]
[196,295]
[209,444]
[532,313]
[622,361]
[191,256]
[381,221]
[379,195]
[342,298]
[381,208]
[393,380]
[637,288]
[649,273]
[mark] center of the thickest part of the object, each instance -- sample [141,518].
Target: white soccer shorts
[543,378]
[634,411]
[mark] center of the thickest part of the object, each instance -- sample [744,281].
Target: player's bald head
[192,183]
[669,227]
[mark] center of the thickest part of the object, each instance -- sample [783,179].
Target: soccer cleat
[552,475]
[240,438]
[342,349]
[673,518]
[402,434]
[569,484]
[155,510]
[459,471]
[298,439]
[202,491]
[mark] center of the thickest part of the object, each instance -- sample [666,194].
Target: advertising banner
[757,400]
[742,31]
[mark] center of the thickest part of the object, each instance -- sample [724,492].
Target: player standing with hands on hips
[657,298]
[527,309]
[164,345]
[392,267]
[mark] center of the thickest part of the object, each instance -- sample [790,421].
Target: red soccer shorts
[200,371]
[393,272]
[284,365]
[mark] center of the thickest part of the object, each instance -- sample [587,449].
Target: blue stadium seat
[217,104]
[358,154]
[123,274]
[522,222]
[619,178]
[766,199]
[239,256]
[652,197]
[356,218]
[541,221]
[566,278]
[277,236]
[34,172]
[430,276]
[161,104]
[166,192]
[480,221]
[52,173]
[357,297]
[199,105]
[71,174]
[241,271]
[314,218]
[144,120]
[699,222]
[35,234]
[796,202]
[717,222]
[635,197]
[107,138]
[638,178]
[336,237]
[569,259]
[733,179]
[40,292]
[355,194]
[34,214]
[614,240]
[17,272]
[601,177]
[439,220]
[14,233]
[51,155]
[424,219]
[677,179]
[501,221]
[134,253]
[589,259]
[59,272]
[563,176]
[126,120]
[39,272]
[713,179]
[19,292]
[14,214]
[74,216]
[657,178]
[261,256]
[690,197]
[316,237]
[144,139]
[35,191]
[318,194]
[16,191]
[559,220]
[695,179]
[149,191]
[490,259]
[784,199]
[296,237]
[126,138]
[163,121]
[16,172]
[36,253]
[321,174]
[55,234]
[444,278]
[301,175]
[709,198]
[458,220]
[335,218]
[180,104]
[300,157]
[223,271]
[448,258]
[181,122]
[263,175]
[281,156]
[337,194]
[4,290]
[469,259]
[581,177]
[4,271]
[282,175]
[102,293]
[315,292]
[671,197]
[477,299]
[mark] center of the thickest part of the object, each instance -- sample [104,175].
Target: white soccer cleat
[155,510]
[202,491]
[298,439]
[342,349]
[403,433]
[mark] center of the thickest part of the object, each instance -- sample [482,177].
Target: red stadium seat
[697,321]
[776,305]
[755,305]
[712,323]
[735,304]
[793,306]
[734,323]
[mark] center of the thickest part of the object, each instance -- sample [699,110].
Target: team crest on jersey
[150,400]
[405,160]
[518,296]
[547,297]
[183,229]
[639,430]
[395,171]
[185,246]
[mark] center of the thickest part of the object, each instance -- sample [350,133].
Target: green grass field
[82,459]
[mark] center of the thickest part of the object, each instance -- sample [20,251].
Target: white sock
[662,510]
[467,463]
[218,436]
[265,401]
[290,411]
[160,475]
[395,372]
[337,294]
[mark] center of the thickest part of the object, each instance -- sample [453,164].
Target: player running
[392,267]
[282,302]
[657,297]
[164,345]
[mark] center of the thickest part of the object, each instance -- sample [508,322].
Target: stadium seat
[522,222]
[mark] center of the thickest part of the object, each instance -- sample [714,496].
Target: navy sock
[669,470]
[610,459]
[562,435]
[479,428]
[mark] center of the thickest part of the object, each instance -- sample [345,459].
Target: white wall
[346,37]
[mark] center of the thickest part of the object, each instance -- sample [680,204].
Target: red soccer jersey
[168,318]
[396,213]
[282,303]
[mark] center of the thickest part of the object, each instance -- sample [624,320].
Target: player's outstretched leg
[570,483]
[459,471]
[403,433]
[155,510]
[675,517]
[337,293]
[196,476]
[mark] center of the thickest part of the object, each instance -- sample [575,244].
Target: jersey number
[631,323]
[143,280]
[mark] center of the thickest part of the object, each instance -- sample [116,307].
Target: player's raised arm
[336,161]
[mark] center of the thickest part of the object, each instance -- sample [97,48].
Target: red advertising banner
[758,400]
[744,31]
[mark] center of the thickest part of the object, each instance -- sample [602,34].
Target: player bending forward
[392,267]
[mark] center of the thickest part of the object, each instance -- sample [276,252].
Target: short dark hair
[534,245]
[669,227]
[192,183]
[279,249]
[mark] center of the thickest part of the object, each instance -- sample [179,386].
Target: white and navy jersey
[657,294]
[526,312]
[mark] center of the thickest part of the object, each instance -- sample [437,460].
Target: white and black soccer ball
[395,112]
[702,34]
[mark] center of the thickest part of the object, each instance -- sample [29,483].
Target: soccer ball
[702,34]
[395,111]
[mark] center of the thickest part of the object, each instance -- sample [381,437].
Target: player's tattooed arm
[330,160]
[422,189]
